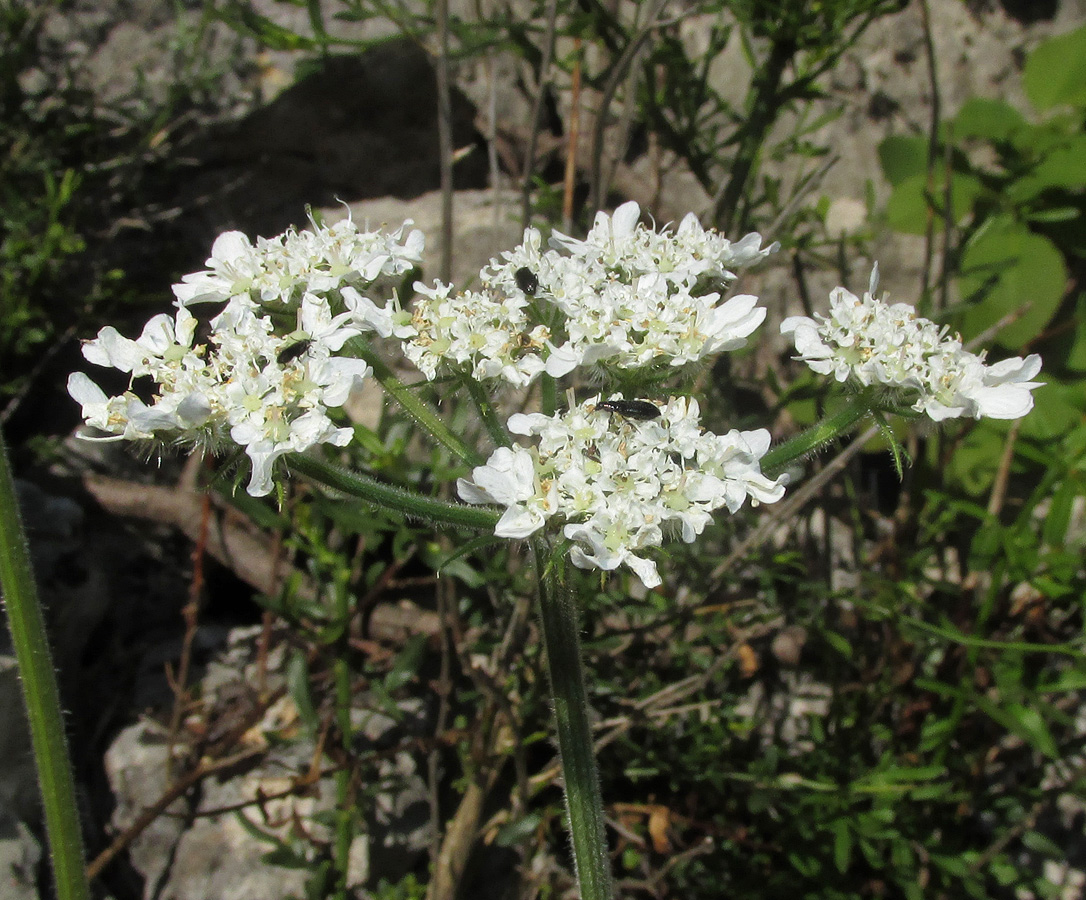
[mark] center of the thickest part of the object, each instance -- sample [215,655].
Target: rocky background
[277,131]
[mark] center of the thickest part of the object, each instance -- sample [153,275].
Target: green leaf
[913,201]
[269,33]
[1075,353]
[993,120]
[842,845]
[899,774]
[407,663]
[298,686]
[1005,269]
[1028,724]
[1003,871]
[1063,166]
[902,157]
[976,459]
[1055,72]
[515,833]
[839,643]
[1040,843]
[1024,721]
[1071,680]
[1058,409]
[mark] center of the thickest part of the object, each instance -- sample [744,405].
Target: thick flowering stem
[815,437]
[548,395]
[429,509]
[584,802]
[344,820]
[423,414]
[494,427]
[42,698]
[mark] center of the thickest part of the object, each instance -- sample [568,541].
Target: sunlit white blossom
[871,342]
[625,297]
[270,367]
[618,486]
[486,334]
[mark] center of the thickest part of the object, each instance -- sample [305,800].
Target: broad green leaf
[974,463]
[1003,871]
[992,120]
[1005,269]
[914,201]
[902,157]
[1071,344]
[1064,166]
[1055,72]
[1057,409]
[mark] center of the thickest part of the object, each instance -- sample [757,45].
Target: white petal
[229,246]
[624,221]
[84,391]
[517,523]
[644,569]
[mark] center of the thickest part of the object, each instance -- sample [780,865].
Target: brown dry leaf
[659,822]
[748,660]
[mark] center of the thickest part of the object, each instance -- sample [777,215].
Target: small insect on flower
[292,352]
[642,410]
[526,280]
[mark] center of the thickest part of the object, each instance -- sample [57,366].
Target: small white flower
[509,479]
[486,334]
[617,486]
[625,297]
[254,381]
[871,342]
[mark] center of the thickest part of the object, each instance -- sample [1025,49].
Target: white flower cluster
[486,333]
[283,268]
[873,342]
[266,374]
[617,484]
[625,297]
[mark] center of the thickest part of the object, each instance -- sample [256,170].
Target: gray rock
[19,797]
[203,849]
[20,859]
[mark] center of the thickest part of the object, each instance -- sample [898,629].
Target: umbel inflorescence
[871,342]
[632,304]
[620,485]
[248,383]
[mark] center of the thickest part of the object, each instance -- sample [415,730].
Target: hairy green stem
[829,429]
[494,427]
[344,827]
[584,802]
[42,697]
[548,394]
[439,512]
[418,410]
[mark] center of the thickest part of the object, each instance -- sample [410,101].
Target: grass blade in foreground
[42,698]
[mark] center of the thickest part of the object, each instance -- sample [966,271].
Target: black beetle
[293,351]
[642,410]
[526,280]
